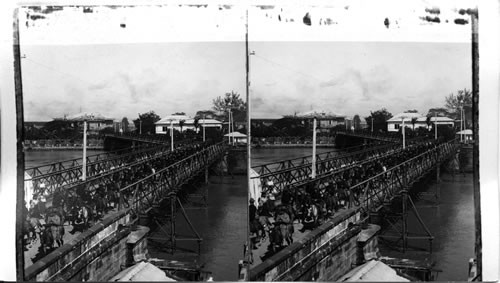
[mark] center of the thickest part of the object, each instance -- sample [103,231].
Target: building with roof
[325,119]
[416,120]
[187,123]
[95,121]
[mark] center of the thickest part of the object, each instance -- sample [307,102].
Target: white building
[95,121]
[396,122]
[163,126]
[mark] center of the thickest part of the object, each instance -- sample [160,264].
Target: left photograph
[135,148]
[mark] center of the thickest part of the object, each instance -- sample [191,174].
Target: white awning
[373,271]
[467,132]
[236,135]
[143,271]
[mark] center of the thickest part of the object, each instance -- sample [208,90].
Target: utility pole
[84,162]
[403,131]
[435,126]
[171,135]
[203,127]
[313,175]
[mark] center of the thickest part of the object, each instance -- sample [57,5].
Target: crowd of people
[313,202]
[82,203]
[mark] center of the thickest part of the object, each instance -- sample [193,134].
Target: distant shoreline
[284,145]
[60,148]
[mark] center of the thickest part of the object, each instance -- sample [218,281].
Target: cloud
[375,81]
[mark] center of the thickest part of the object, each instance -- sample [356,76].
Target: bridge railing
[293,140]
[68,176]
[274,167]
[112,176]
[152,138]
[95,164]
[337,177]
[288,172]
[380,188]
[61,165]
[385,136]
[148,191]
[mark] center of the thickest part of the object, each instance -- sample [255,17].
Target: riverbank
[49,148]
[283,145]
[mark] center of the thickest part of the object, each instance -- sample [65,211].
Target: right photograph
[362,140]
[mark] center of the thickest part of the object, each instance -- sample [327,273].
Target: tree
[380,118]
[125,124]
[196,123]
[428,121]
[231,101]
[181,124]
[148,121]
[413,121]
[207,114]
[291,127]
[411,111]
[463,98]
[440,112]
[357,122]
[179,113]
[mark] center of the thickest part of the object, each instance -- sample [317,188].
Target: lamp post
[372,125]
[171,135]
[461,120]
[435,126]
[203,127]
[229,124]
[140,124]
[403,131]
[313,174]
[84,162]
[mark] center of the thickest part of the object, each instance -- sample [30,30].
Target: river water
[451,222]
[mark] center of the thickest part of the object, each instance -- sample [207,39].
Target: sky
[351,78]
[125,79]
[120,61]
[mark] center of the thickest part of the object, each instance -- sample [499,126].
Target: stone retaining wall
[334,241]
[95,255]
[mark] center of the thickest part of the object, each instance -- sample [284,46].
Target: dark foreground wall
[95,255]
[324,254]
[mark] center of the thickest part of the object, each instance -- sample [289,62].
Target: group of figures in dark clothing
[80,205]
[311,205]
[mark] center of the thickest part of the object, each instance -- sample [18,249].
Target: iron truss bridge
[378,189]
[144,197]
[281,174]
[69,179]
[67,172]
[152,139]
[150,190]
[384,137]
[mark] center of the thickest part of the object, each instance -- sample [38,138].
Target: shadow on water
[450,220]
[221,225]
